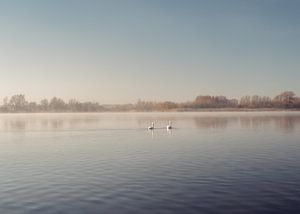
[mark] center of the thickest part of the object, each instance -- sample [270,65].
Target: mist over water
[243,162]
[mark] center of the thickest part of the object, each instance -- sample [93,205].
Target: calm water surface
[110,163]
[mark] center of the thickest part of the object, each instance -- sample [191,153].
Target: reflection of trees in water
[255,121]
[18,124]
[285,123]
[26,123]
[60,123]
[213,122]
[56,124]
[14,124]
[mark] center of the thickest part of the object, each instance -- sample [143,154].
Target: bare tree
[44,105]
[57,104]
[17,103]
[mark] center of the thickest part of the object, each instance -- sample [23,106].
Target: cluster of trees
[18,103]
[214,102]
[155,106]
[255,102]
[286,99]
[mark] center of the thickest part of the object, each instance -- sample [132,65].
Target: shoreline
[170,111]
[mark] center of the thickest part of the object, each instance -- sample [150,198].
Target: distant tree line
[285,100]
[18,103]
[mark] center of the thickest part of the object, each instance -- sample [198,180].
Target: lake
[235,162]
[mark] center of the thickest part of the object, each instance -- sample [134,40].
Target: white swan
[151,127]
[169,126]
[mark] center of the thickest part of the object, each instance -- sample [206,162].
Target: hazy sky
[120,51]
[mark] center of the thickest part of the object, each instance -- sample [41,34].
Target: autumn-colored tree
[285,99]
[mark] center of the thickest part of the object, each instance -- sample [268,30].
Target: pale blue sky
[120,51]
